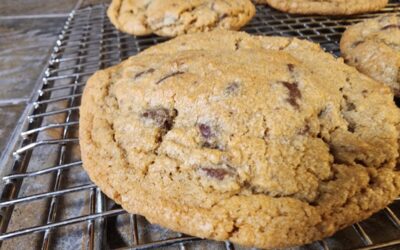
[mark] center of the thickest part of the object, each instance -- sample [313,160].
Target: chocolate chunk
[323,112]
[266,134]
[217,173]
[390,26]
[193,21]
[209,138]
[355,44]
[351,106]
[232,87]
[294,93]
[351,127]
[290,67]
[151,70]
[397,101]
[205,131]
[169,76]
[237,43]
[223,16]
[161,117]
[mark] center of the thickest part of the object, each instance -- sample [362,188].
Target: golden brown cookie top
[373,47]
[264,141]
[326,7]
[176,17]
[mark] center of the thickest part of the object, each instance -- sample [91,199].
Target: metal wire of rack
[48,202]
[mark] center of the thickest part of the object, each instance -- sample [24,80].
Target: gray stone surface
[24,46]
[35,7]
[8,119]
[86,3]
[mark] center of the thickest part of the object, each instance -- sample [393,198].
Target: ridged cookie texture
[326,7]
[176,17]
[263,141]
[373,47]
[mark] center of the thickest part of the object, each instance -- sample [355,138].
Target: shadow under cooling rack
[48,201]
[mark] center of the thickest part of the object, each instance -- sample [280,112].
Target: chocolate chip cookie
[175,17]
[326,7]
[373,47]
[263,141]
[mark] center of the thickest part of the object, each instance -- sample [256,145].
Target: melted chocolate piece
[223,16]
[205,131]
[397,168]
[169,76]
[209,138]
[397,101]
[216,173]
[351,106]
[237,44]
[351,127]
[162,117]
[294,93]
[322,113]
[290,67]
[232,87]
[151,70]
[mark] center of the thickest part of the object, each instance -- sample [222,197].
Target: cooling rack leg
[134,229]
[99,229]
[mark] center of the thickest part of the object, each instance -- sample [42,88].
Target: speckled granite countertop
[28,31]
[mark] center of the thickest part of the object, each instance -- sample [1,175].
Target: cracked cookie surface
[263,141]
[176,17]
[373,47]
[326,7]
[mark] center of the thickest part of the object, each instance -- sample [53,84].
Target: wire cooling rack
[47,200]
